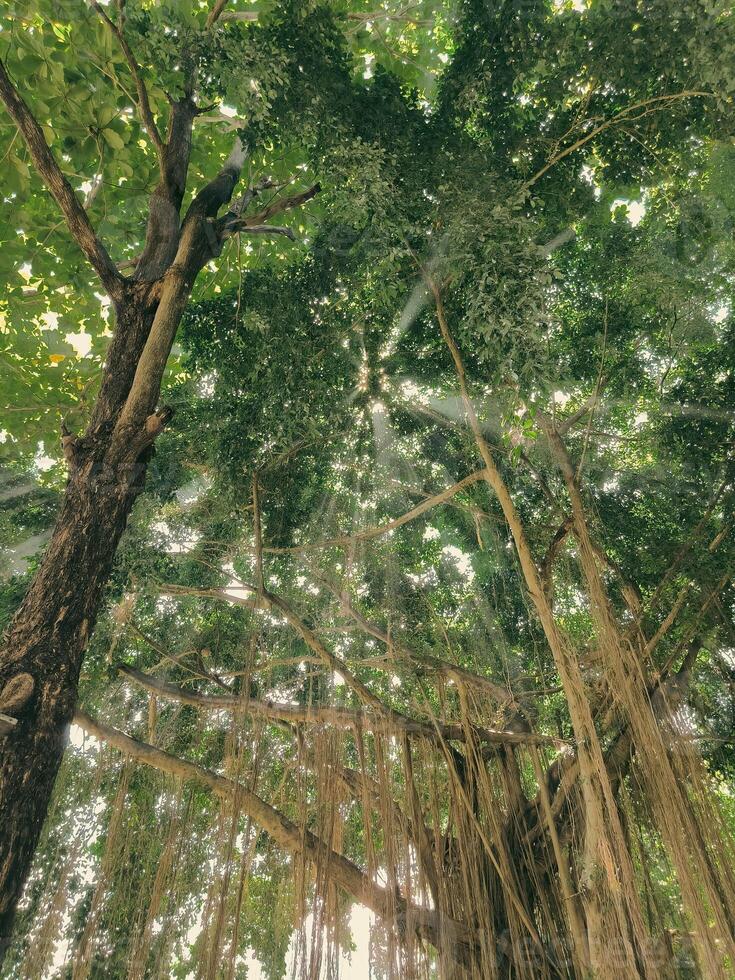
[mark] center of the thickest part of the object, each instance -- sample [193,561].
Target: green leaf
[113,139]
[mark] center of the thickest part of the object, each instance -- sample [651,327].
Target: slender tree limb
[460,675]
[325,714]
[452,671]
[547,562]
[375,532]
[144,105]
[643,108]
[71,207]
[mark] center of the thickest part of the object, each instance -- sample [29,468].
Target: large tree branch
[197,243]
[164,225]
[288,835]
[216,12]
[233,222]
[326,714]
[71,207]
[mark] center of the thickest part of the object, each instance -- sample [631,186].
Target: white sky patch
[352,966]
[461,560]
[588,174]
[49,320]
[428,577]
[721,313]
[176,542]
[105,305]
[190,493]
[43,461]
[237,588]
[166,604]
[205,385]
[431,534]
[81,342]
[636,210]
[411,391]
[79,739]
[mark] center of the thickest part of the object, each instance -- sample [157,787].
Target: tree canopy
[427,605]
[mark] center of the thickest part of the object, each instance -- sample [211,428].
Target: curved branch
[288,835]
[234,222]
[61,190]
[646,107]
[144,105]
[325,714]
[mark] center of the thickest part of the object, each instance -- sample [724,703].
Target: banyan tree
[367,489]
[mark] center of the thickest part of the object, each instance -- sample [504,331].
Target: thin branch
[379,530]
[328,715]
[547,562]
[144,105]
[647,105]
[596,396]
[76,217]
[460,675]
[564,425]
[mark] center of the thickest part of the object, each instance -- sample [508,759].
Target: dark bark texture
[43,649]
[42,653]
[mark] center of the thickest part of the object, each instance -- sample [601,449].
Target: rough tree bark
[42,653]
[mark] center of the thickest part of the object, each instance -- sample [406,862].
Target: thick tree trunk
[42,655]
[44,646]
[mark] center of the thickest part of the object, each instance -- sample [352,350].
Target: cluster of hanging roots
[484,852]
[481,848]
